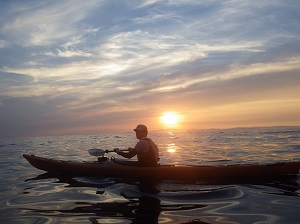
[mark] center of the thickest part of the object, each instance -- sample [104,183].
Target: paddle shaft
[124,150]
[101,152]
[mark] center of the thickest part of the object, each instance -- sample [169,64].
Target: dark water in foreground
[32,196]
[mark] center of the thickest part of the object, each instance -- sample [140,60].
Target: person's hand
[117,150]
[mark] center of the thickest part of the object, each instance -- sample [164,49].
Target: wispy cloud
[44,23]
[3,43]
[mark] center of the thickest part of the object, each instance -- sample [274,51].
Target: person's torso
[147,152]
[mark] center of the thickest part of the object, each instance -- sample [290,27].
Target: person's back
[147,152]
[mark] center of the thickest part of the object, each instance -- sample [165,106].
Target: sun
[170,118]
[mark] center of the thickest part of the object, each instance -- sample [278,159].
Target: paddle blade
[97,152]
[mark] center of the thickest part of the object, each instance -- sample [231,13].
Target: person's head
[141,131]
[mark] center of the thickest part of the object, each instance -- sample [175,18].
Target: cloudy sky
[96,66]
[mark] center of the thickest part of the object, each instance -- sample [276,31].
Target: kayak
[109,168]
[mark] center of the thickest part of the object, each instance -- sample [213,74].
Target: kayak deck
[111,169]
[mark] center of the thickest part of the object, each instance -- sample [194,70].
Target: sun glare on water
[170,119]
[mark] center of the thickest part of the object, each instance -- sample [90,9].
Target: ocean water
[28,195]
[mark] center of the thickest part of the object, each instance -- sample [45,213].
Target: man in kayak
[145,150]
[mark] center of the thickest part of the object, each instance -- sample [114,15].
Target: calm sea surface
[28,195]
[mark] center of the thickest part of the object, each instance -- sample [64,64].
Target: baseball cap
[141,127]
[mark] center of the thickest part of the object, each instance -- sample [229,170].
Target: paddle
[101,152]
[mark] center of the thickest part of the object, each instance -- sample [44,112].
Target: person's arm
[132,152]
